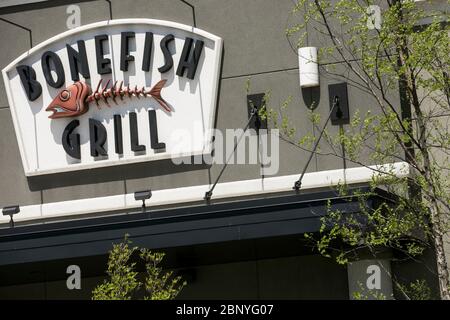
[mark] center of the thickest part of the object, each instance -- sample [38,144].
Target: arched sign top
[116,22]
[114,92]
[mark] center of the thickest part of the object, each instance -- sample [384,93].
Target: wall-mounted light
[308,67]
[142,196]
[10,211]
[254,103]
[338,96]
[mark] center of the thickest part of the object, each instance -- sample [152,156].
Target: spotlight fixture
[338,95]
[254,103]
[142,196]
[10,211]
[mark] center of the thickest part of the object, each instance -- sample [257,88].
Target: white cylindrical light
[309,68]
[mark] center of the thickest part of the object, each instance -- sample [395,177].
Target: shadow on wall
[114,173]
[311,97]
[219,87]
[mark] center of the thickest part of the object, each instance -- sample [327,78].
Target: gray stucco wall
[255,48]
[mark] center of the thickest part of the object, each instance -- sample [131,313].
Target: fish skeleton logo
[74,100]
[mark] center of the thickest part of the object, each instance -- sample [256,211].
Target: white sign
[111,93]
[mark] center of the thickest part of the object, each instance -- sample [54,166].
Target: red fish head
[70,102]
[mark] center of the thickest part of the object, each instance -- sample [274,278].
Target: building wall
[255,48]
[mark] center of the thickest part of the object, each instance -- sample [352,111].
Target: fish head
[70,102]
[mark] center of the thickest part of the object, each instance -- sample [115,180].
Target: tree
[123,282]
[407,53]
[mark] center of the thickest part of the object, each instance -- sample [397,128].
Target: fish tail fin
[155,92]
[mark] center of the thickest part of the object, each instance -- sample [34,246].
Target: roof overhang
[270,216]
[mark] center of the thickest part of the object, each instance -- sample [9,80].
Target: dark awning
[271,216]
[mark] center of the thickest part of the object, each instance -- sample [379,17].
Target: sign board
[112,93]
